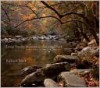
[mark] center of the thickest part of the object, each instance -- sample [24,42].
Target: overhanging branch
[25,6]
[5,13]
[48,6]
[39,18]
[75,20]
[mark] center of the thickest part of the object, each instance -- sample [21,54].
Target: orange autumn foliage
[27,17]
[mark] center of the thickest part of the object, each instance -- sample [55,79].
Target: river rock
[92,43]
[52,70]
[65,58]
[95,52]
[29,69]
[50,83]
[81,72]
[73,44]
[80,46]
[71,80]
[74,54]
[5,40]
[35,78]
[88,53]
[49,71]
[85,51]
[68,51]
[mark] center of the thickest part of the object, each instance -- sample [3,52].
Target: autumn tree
[45,15]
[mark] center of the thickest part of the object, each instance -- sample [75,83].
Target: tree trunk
[83,33]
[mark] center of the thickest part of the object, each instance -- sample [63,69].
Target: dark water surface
[15,57]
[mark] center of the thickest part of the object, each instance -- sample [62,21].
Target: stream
[18,56]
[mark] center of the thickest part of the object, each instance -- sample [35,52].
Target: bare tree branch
[75,20]
[39,18]
[52,9]
[5,13]
[21,6]
[63,15]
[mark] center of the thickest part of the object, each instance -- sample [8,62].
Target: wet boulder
[50,83]
[71,80]
[89,51]
[52,70]
[5,40]
[85,51]
[68,51]
[65,58]
[87,55]
[49,71]
[29,69]
[35,78]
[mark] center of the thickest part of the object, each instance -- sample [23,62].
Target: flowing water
[15,57]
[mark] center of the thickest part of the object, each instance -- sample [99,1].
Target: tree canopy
[38,17]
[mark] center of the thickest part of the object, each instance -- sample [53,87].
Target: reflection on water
[16,57]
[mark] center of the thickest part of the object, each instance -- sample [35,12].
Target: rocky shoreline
[80,69]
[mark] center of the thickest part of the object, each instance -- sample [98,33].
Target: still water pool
[15,57]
